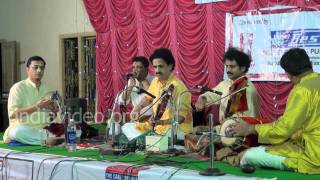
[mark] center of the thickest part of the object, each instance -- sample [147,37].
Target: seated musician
[242,104]
[163,63]
[293,139]
[139,78]
[245,103]
[29,108]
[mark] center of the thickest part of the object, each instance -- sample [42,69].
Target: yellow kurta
[296,134]
[156,88]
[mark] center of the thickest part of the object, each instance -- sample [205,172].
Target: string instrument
[164,99]
[238,101]
[54,111]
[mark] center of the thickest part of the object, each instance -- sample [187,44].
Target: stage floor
[161,160]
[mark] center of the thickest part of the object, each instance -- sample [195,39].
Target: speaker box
[77,107]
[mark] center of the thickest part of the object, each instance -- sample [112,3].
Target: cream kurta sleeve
[14,100]
[251,94]
[253,102]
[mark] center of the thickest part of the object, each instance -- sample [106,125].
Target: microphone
[204,89]
[230,94]
[141,90]
[129,75]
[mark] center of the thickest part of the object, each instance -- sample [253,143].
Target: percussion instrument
[226,137]
[238,142]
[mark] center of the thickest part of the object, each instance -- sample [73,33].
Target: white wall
[36,26]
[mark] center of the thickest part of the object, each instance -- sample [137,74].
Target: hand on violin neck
[181,119]
[131,83]
[201,102]
[134,115]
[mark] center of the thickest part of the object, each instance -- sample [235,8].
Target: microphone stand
[113,126]
[211,171]
[174,123]
[112,118]
[113,149]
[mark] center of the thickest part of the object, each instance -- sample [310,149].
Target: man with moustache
[29,107]
[242,104]
[138,79]
[163,63]
[245,103]
[292,141]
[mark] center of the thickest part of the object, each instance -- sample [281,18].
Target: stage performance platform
[45,163]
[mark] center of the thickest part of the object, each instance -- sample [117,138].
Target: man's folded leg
[257,156]
[131,131]
[34,136]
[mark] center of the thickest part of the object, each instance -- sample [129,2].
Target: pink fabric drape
[194,33]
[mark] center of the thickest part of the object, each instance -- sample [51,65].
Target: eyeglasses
[37,67]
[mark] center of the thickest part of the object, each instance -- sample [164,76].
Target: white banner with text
[267,36]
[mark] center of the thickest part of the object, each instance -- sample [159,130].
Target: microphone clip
[141,90]
[204,89]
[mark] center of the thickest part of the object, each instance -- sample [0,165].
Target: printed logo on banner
[295,38]
[124,172]
[246,41]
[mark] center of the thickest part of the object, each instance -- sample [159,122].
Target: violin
[237,102]
[164,99]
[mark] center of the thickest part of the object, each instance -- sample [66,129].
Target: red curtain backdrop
[194,33]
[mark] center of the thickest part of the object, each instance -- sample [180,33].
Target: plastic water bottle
[71,136]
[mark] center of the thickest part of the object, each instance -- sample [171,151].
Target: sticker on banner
[124,172]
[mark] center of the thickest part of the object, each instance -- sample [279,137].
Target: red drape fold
[194,33]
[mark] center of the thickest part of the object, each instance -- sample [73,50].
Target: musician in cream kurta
[28,107]
[251,95]
[244,103]
[237,64]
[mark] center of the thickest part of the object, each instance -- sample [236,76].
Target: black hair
[295,61]
[141,59]
[35,58]
[164,54]
[242,59]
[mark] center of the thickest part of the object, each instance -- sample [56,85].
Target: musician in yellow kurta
[156,87]
[295,137]
[163,63]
